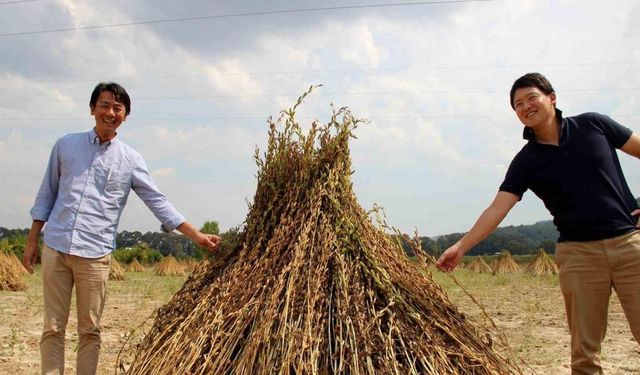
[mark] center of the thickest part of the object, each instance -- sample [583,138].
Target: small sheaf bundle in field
[189,265]
[13,258]
[542,264]
[11,274]
[505,263]
[116,272]
[314,286]
[478,265]
[169,266]
[135,266]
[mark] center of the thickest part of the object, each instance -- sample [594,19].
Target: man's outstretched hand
[450,259]
[210,242]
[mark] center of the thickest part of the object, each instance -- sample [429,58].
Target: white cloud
[441,132]
[163,172]
[229,77]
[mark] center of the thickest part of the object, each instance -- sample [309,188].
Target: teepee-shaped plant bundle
[135,266]
[505,263]
[11,273]
[189,265]
[116,272]
[314,287]
[542,264]
[16,263]
[478,265]
[169,266]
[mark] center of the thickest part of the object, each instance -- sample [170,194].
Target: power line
[16,1]
[337,71]
[236,15]
[264,118]
[362,93]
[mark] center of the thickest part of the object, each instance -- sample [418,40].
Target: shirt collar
[527,133]
[94,139]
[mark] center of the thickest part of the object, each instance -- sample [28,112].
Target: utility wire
[362,93]
[336,71]
[16,1]
[264,118]
[237,15]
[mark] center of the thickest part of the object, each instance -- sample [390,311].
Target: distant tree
[210,227]
[548,246]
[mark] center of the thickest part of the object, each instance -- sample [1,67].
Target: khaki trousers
[588,272]
[59,274]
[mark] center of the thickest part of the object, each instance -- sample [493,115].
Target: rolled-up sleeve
[144,186]
[48,192]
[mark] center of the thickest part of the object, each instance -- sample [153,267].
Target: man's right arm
[44,202]
[488,221]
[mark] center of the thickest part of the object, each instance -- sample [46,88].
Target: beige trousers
[59,274]
[588,272]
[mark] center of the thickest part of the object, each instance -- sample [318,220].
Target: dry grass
[542,265]
[529,310]
[11,273]
[314,287]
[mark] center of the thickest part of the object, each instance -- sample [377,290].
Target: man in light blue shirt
[81,198]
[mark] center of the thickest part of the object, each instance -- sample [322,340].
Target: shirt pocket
[116,182]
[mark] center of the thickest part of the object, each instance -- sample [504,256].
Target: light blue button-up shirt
[85,189]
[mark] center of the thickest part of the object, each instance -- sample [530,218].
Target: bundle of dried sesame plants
[315,287]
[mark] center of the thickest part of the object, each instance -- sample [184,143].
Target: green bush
[140,251]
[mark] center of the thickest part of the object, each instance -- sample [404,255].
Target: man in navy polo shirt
[571,164]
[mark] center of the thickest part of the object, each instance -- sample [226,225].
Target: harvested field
[529,310]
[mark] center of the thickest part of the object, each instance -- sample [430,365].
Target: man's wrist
[460,249]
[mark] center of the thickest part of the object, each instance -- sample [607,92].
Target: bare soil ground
[528,311]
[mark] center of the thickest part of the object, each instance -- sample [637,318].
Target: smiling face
[109,114]
[533,107]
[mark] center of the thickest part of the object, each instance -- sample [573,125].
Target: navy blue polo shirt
[580,181]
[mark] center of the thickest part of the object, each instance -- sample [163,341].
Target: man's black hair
[531,80]
[118,92]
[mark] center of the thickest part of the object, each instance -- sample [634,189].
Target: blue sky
[432,79]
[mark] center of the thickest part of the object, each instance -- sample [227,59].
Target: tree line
[518,240]
[521,239]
